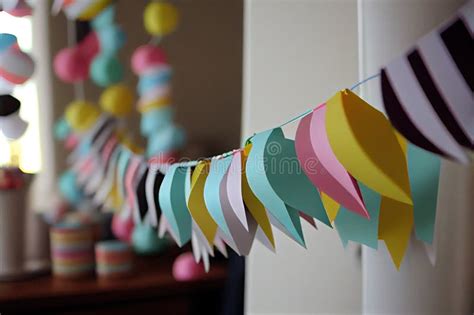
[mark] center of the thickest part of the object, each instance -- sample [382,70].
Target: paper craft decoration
[321,165]
[149,62]
[255,207]
[80,9]
[438,76]
[173,202]
[11,125]
[369,152]
[16,66]
[349,167]
[353,227]
[197,205]
[424,169]
[160,18]
[17,8]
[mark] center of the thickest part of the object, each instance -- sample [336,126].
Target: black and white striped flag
[428,93]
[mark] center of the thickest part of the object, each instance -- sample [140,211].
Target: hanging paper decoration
[17,8]
[106,68]
[16,67]
[154,89]
[427,93]
[347,167]
[321,165]
[150,63]
[81,9]
[71,64]
[160,18]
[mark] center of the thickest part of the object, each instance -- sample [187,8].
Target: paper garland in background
[348,168]
[150,64]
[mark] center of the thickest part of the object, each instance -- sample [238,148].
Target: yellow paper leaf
[395,226]
[364,142]
[331,206]
[197,206]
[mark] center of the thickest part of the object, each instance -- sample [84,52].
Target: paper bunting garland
[349,167]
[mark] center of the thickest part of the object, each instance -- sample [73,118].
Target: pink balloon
[186,269]
[147,56]
[89,46]
[70,65]
[122,227]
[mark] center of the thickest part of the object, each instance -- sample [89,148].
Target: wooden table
[150,288]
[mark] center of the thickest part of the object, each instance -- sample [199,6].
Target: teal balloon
[145,240]
[155,119]
[165,140]
[111,39]
[105,18]
[69,189]
[148,82]
[62,129]
[106,70]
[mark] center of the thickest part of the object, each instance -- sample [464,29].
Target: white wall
[387,29]
[297,53]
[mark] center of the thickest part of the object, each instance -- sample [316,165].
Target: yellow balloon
[81,115]
[117,100]
[94,9]
[160,18]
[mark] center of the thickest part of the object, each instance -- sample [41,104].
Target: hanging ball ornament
[106,70]
[160,18]
[117,100]
[70,65]
[81,115]
[69,188]
[147,56]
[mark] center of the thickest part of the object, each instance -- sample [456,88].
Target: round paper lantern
[185,268]
[81,115]
[95,7]
[111,39]
[117,100]
[62,129]
[69,189]
[166,139]
[156,119]
[145,240]
[122,227]
[70,65]
[15,65]
[6,41]
[160,18]
[147,56]
[106,70]
[89,47]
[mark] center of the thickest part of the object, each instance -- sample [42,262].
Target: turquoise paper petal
[423,169]
[217,171]
[288,180]
[261,187]
[353,227]
[172,198]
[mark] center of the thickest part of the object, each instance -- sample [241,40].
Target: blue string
[365,80]
[193,163]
